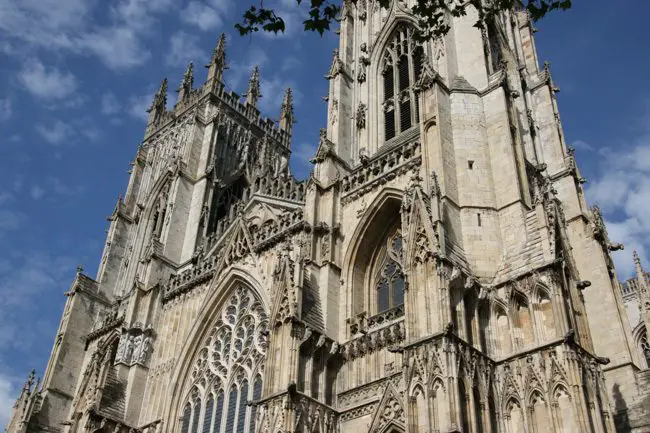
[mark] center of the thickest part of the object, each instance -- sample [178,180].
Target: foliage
[432,14]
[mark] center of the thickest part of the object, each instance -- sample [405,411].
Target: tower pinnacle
[159,103]
[218,62]
[187,83]
[286,112]
[253,93]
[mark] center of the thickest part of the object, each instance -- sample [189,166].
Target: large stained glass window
[401,68]
[237,339]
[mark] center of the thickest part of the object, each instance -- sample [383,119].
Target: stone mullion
[485,415]
[430,402]
[557,425]
[469,404]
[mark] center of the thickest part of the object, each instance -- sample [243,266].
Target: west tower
[439,271]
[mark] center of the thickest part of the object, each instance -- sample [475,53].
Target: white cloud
[36,192]
[119,46]
[8,395]
[183,47]
[273,92]
[47,84]
[300,156]
[138,106]
[623,193]
[58,187]
[10,220]
[5,109]
[110,104]
[582,145]
[68,133]
[68,25]
[57,133]
[201,15]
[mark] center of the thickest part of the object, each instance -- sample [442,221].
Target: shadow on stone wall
[621,417]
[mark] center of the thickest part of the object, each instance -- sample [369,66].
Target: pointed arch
[367,235]
[396,19]
[522,321]
[540,420]
[564,409]
[514,415]
[543,312]
[221,292]
[501,330]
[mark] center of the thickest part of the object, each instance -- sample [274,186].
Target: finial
[160,98]
[218,62]
[637,265]
[188,76]
[188,82]
[80,270]
[253,93]
[286,112]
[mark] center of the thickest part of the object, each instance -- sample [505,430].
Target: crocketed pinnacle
[160,98]
[253,93]
[286,112]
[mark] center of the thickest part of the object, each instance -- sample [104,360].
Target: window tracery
[401,68]
[644,345]
[388,275]
[231,357]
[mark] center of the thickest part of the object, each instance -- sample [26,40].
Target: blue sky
[77,75]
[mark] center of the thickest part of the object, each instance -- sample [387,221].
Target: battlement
[213,87]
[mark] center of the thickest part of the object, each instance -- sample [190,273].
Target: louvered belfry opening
[402,65]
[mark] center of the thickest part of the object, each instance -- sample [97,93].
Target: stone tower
[439,271]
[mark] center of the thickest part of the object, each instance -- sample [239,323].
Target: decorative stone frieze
[381,169]
[374,340]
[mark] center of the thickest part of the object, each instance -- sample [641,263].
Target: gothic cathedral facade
[439,271]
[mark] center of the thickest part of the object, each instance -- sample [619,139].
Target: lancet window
[401,68]
[231,358]
[644,345]
[387,276]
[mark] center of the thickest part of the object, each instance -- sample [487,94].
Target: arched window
[187,415]
[387,277]
[232,410]
[218,415]
[257,394]
[522,322]
[544,315]
[401,68]
[241,411]
[645,348]
[207,417]
[238,338]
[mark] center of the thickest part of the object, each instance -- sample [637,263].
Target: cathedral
[439,271]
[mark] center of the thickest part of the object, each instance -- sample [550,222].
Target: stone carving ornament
[238,340]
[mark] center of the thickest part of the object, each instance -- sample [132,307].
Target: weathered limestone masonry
[440,270]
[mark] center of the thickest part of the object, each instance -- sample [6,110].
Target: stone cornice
[105,329]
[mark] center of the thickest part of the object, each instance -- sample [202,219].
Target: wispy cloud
[300,156]
[8,395]
[138,105]
[110,105]
[47,83]
[60,132]
[622,190]
[183,47]
[56,133]
[5,109]
[69,25]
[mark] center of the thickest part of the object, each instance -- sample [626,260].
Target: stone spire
[187,83]
[253,93]
[218,62]
[159,103]
[286,112]
[640,274]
